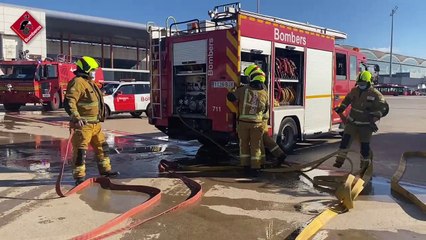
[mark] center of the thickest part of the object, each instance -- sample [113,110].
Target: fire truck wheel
[12,107]
[288,135]
[136,114]
[54,104]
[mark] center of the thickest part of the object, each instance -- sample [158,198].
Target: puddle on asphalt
[105,200]
[35,153]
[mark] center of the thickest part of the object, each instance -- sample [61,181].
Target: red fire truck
[40,82]
[193,70]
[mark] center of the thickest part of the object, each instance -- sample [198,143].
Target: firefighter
[267,141]
[368,106]
[84,104]
[252,104]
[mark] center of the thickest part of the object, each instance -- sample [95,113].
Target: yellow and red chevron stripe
[232,63]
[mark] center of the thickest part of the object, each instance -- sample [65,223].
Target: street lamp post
[390,61]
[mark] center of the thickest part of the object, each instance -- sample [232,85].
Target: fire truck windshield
[17,72]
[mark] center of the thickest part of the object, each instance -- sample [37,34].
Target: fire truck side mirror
[118,93]
[376,68]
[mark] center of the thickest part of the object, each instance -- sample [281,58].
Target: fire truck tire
[136,114]
[12,107]
[288,134]
[54,104]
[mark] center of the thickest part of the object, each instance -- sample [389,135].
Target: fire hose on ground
[101,232]
[346,187]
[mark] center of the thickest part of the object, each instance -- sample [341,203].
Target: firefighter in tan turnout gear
[368,106]
[84,103]
[252,104]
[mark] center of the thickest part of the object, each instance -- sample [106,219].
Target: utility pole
[390,61]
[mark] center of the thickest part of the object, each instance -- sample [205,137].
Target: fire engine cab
[45,82]
[194,69]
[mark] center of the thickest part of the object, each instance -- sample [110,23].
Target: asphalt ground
[32,144]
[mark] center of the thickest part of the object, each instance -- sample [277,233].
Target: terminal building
[407,71]
[121,46]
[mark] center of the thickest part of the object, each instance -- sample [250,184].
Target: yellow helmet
[87,64]
[255,73]
[364,76]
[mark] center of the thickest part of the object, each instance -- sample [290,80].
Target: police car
[126,96]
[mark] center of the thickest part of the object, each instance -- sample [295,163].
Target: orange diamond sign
[26,27]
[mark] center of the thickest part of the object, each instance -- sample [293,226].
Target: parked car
[126,97]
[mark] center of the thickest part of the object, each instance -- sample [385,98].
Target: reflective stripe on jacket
[252,103]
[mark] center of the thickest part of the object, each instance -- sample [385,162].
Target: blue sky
[367,22]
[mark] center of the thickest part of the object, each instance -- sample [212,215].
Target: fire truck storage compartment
[189,78]
[289,71]
[190,89]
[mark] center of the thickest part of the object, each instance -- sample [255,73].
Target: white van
[126,97]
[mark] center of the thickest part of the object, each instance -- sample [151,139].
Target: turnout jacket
[84,100]
[365,104]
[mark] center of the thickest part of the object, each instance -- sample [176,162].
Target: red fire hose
[154,193]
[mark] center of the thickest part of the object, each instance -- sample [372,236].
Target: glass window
[51,71]
[18,72]
[352,68]
[341,66]
[117,75]
[127,89]
[109,89]
[142,88]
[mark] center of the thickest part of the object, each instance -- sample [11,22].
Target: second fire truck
[194,69]
[25,81]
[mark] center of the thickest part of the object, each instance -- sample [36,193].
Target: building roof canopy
[95,29]
[83,28]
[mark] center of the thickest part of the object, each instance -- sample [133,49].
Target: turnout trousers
[361,132]
[89,134]
[250,136]
[270,144]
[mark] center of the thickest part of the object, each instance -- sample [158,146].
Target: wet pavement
[33,146]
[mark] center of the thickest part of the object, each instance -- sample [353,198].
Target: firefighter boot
[340,159]
[110,174]
[364,163]
[79,181]
[254,172]
[247,170]
[280,161]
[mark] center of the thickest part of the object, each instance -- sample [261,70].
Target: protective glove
[339,109]
[374,127]
[77,123]
[81,122]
